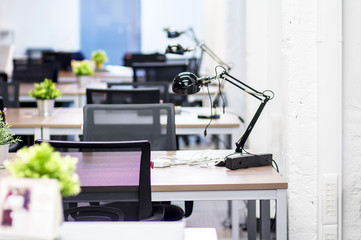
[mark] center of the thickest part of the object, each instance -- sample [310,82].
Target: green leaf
[5,136]
[45,90]
[99,56]
[41,161]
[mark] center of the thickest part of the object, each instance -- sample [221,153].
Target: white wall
[294,48]
[159,14]
[42,23]
[56,23]
[300,116]
[352,120]
[224,31]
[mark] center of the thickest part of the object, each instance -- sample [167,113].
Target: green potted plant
[99,57]
[45,94]
[6,139]
[41,161]
[82,69]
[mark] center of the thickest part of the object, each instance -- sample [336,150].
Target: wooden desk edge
[234,187]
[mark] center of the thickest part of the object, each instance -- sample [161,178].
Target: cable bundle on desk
[202,159]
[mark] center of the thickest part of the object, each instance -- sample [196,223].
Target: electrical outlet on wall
[329,232]
[330,196]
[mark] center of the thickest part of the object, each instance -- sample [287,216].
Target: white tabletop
[134,231]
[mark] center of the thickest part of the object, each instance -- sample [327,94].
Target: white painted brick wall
[352,121]
[299,58]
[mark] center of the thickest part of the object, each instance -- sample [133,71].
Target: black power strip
[239,160]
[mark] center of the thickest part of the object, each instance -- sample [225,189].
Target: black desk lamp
[189,83]
[179,49]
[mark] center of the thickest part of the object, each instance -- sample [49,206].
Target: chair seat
[94,213]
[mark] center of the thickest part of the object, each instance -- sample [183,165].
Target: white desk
[25,121]
[182,183]
[71,92]
[134,231]
[185,182]
[68,121]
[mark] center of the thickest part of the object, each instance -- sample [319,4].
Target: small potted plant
[41,161]
[82,69]
[45,94]
[99,57]
[6,139]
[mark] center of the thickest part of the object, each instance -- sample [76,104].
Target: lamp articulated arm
[218,60]
[259,95]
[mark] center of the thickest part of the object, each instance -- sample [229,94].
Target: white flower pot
[84,81]
[45,107]
[4,152]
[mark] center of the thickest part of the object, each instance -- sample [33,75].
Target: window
[111,25]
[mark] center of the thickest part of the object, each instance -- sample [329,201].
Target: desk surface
[111,71]
[66,89]
[73,118]
[169,63]
[133,230]
[194,178]
[24,118]
[72,89]
[212,178]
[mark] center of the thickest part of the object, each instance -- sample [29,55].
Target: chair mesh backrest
[124,122]
[162,86]
[34,71]
[121,167]
[122,96]
[10,94]
[164,73]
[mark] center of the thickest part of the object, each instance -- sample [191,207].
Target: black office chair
[162,86]
[164,72]
[2,114]
[62,58]
[3,77]
[123,122]
[35,53]
[153,122]
[93,213]
[34,71]
[122,96]
[10,94]
[135,202]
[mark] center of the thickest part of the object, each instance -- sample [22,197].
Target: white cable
[202,159]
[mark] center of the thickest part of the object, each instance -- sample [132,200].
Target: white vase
[45,107]
[4,152]
[83,81]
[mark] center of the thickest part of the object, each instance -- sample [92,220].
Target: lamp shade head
[171,33]
[185,83]
[175,49]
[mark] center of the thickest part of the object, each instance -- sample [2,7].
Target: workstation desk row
[68,121]
[209,183]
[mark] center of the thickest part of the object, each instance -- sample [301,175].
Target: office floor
[212,214]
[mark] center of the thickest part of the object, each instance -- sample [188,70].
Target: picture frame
[30,208]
